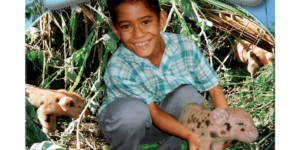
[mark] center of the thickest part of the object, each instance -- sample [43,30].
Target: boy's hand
[194,141]
[167,123]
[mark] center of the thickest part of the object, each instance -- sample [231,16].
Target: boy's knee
[188,94]
[180,97]
[127,111]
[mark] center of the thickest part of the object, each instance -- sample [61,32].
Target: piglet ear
[65,103]
[220,116]
[62,91]
[269,56]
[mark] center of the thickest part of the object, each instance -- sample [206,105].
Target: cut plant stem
[83,64]
[265,138]
[169,17]
[83,112]
[65,54]
[57,74]
[44,68]
[105,18]
[72,27]
[181,19]
[100,51]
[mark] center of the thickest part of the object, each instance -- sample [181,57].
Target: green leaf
[80,61]
[41,57]
[72,27]
[33,133]
[199,24]
[184,145]
[185,31]
[54,41]
[162,2]
[99,19]
[178,29]
[187,9]
[208,29]
[81,136]
[53,62]
[110,41]
[50,79]
[28,34]
[106,147]
[154,146]
[72,75]
[77,58]
[25,51]
[46,82]
[29,110]
[226,7]
[45,145]
[32,56]
[97,85]
[94,106]
[66,135]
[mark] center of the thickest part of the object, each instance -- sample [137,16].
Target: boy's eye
[146,22]
[241,124]
[125,26]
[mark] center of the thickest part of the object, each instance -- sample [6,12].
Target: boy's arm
[168,124]
[218,97]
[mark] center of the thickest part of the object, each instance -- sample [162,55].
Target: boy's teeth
[141,44]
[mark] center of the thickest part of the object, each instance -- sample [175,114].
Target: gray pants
[126,122]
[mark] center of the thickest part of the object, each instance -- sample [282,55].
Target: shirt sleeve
[205,77]
[120,86]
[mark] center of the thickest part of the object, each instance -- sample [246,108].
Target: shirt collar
[171,48]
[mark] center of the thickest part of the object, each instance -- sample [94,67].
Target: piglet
[52,103]
[219,125]
[253,59]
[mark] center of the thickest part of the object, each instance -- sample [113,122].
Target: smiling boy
[150,78]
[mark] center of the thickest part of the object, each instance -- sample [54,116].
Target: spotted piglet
[219,125]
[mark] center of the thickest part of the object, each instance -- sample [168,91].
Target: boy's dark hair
[153,5]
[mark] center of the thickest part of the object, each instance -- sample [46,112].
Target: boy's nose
[138,32]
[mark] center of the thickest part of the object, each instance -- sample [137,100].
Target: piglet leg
[204,144]
[44,119]
[217,145]
[52,123]
[47,116]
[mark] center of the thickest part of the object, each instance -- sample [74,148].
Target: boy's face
[139,29]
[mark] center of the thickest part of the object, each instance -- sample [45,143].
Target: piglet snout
[253,134]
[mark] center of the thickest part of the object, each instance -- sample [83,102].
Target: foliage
[33,133]
[79,45]
[46,145]
[34,9]
[256,96]
[141,147]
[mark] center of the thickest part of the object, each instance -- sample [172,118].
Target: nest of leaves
[71,49]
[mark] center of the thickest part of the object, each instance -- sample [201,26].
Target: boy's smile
[139,30]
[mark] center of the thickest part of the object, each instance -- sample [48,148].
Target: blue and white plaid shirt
[128,75]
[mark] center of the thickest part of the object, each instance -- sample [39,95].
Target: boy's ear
[115,30]
[162,19]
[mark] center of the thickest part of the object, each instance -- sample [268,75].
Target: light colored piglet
[219,125]
[253,59]
[52,103]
